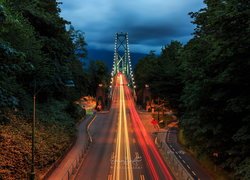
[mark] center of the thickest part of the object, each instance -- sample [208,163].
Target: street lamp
[68,83]
[32,174]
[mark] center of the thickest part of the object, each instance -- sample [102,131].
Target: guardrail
[82,153]
[75,164]
[178,170]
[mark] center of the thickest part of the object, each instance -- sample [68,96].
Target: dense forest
[207,80]
[40,54]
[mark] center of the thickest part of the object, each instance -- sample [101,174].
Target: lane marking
[90,137]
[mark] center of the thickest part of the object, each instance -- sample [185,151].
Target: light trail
[122,151]
[146,142]
[128,153]
[116,171]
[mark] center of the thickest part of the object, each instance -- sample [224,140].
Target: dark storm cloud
[151,24]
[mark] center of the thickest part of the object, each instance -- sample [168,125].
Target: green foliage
[216,90]
[79,75]
[15,59]
[36,43]
[216,94]
[145,70]
[98,74]
[162,73]
[79,42]
[75,111]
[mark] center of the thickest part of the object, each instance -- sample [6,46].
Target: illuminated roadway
[122,149]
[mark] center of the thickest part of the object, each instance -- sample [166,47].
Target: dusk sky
[150,24]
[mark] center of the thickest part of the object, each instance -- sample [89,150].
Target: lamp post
[32,174]
[69,83]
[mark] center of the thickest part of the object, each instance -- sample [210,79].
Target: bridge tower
[122,62]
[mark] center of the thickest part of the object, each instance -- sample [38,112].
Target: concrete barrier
[178,170]
[72,171]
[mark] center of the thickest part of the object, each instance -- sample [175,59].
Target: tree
[98,74]
[16,60]
[79,42]
[162,73]
[216,95]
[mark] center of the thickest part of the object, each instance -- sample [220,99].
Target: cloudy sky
[150,24]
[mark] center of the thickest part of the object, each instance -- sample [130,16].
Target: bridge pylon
[122,62]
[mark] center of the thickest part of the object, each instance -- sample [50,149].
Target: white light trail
[122,150]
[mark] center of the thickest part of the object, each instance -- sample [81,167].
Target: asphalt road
[121,149]
[190,164]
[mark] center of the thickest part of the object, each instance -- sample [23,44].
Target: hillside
[55,130]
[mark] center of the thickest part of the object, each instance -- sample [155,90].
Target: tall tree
[16,59]
[216,80]
[161,73]
[98,74]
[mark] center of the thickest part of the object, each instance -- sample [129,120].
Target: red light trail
[145,140]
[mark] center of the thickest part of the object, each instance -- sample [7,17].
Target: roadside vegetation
[40,53]
[207,81]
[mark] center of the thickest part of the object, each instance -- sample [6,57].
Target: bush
[75,111]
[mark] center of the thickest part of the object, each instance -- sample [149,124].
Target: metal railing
[74,166]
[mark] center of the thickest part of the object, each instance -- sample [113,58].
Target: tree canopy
[37,50]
